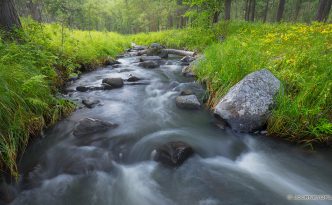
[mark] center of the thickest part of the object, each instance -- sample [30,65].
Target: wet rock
[116,66]
[188,102]
[187,59]
[184,63]
[186,92]
[88,126]
[125,70]
[7,193]
[113,82]
[187,72]
[138,48]
[133,78]
[247,106]
[82,88]
[196,88]
[149,58]
[111,61]
[149,64]
[173,153]
[90,103]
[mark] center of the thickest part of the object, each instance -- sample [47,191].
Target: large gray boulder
[247,106]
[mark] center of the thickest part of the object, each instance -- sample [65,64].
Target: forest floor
[33,72]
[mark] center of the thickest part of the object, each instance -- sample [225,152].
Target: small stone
[173,154]
[133,78]
[189,102]
[88,126]
[82,88]
[186,92]
[149,64]
[90,103]
[113,82]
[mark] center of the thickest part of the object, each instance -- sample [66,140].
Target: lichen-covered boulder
[247,106]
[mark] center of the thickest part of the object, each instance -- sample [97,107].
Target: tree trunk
[35,10]
[297,9]
[228,4]
[280,11]
[320,10]
[8,16]
[247,10]
[327,10]
[252,10]
[215,17]
[266,10]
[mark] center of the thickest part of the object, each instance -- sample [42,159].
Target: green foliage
[299,55]
[30,73]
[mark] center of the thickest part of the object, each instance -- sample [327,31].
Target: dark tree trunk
[320,10]
[247,10]
[327,10]
[266,10]
[280,11]
[215,17]
[228,4]
[8,16]
[297,9]
[35,10]
[252,10]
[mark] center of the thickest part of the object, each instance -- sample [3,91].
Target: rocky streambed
[142,136]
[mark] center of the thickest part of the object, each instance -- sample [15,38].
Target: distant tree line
[132,16]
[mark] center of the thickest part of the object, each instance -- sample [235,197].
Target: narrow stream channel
[115,167]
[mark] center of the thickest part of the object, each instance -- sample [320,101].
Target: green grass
[299,55]
[31,73]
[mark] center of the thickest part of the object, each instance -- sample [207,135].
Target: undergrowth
[31,72]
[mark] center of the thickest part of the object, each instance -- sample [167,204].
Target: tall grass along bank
[299,55]
[32,70]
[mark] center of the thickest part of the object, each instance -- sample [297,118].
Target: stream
[116,167]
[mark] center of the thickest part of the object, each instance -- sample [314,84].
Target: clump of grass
[30,73]
[299,55]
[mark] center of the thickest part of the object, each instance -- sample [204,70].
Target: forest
[48,45]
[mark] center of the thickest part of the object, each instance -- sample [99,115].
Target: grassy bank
[299,55]
[31,72]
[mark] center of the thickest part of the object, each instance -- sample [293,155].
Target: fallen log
[178,52]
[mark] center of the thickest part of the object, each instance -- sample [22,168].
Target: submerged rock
[188,72]
[113,82]
[188,102]
[90,103]
[247,106]
[173,153]
[133,78]
[88,126]
[149,58]
[149,64]
[82,88]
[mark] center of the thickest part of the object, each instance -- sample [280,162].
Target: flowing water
[115,167]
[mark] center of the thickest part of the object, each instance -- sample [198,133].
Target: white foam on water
[135,185]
